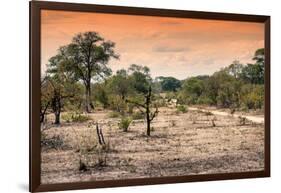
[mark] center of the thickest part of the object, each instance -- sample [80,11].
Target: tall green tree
[169,83]
[192,89]
[88,56]
[59,85]
[224,89]
[254,73]
[120,84]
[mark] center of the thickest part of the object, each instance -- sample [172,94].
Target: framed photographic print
[123,96]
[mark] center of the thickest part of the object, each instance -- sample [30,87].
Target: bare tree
[146,108]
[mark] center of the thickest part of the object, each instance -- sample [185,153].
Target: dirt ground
[180,144]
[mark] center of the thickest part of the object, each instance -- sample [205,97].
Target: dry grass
[181,144]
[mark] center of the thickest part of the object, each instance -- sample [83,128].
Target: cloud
[169,49]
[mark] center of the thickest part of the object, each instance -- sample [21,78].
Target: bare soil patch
[180,144]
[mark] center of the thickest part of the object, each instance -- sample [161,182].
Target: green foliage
[57,86]
[68,84]
[75,117]
[140,78]
[203,99]
[76,101]
[125,123]
[169,83]
[225,87]
[254,73]
[170,95]
[101,94]
[253,96]
[137,115]
[120,84]
[86,59]
[182,109]
[114,114]
[116,103]
[192,89]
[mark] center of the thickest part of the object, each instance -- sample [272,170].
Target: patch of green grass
[137,116]
[114,114]
[75,117]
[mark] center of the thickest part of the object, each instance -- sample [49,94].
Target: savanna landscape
[101,121]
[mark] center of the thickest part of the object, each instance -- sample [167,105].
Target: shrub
[82,166]
[253,96]
[75,117]
[125,123]
[117,104]
[114,114]
[242,120]
[181,108]
[137,116]
[253,101]
[204,100]
[54,142]
[161,103]
[208,113]
[213,121]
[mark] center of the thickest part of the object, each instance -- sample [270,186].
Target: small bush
[204,100]
[181,108]
[75,117]
[137,116]
[114,114]
[242,120]
[125,123]
[213,121]
[82,166]
[54,142]
[252,96]
[208,113]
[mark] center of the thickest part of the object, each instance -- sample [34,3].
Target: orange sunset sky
[168,46]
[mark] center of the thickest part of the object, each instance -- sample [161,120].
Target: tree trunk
[148,111]
[148,127]
[88,104]
[56,106]
[43,112]
[42,116]
[57,117]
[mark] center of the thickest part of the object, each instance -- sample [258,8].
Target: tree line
[78,78]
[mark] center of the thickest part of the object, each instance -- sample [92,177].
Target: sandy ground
[255,119]
[180,144]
